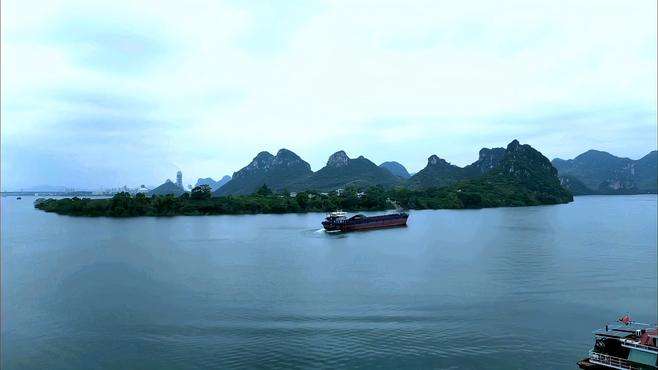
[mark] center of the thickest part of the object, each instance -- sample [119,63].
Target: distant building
[179,179]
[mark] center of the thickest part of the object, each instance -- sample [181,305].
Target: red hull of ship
[375,225]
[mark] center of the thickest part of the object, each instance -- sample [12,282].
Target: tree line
[466,194]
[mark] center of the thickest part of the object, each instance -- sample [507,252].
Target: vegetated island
[521,176]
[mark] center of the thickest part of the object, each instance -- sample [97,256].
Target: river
[507,288]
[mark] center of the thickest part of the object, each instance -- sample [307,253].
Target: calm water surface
[509,288]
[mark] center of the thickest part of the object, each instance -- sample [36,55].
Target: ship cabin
[337,215]
[626,346]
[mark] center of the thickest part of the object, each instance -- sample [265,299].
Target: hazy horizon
[113,93]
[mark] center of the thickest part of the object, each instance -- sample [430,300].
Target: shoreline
[196,213]
[168,206]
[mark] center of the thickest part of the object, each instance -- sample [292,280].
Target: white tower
[179,179]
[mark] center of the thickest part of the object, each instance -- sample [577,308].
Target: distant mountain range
[525,168]
[214,185]
[598,172]
[528,172]
[439,172]
[342,171]
[287,171]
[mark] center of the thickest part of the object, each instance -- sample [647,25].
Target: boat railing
[639,346]
[611,361]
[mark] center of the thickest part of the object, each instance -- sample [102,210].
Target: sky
[107,93]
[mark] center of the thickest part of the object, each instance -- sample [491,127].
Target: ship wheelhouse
[337,215]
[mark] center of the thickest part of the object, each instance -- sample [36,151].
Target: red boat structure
[338,221]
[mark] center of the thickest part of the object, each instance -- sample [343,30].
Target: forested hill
[598,172]
[342,171]
[439,172]
[276,171]
[521,177]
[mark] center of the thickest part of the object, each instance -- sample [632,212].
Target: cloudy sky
[111,93]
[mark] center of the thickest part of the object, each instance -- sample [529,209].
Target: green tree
[166,205]
[302,199]
[201,192]
[120,204]
[264,191]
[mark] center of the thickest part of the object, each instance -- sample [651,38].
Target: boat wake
[322,233]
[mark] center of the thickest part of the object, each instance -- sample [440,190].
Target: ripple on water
[476,289]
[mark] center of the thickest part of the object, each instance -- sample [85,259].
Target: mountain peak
[168,187]
[277,172]
[593,154]
[513,146]
[338,159]
[263,155]
[288,158]
[485,153]
[214,185]
[283,152]
[342,171]
[262,161]
[434,160]
[437,173]
[488,159]
[396,169]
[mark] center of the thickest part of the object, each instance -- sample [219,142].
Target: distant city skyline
[96,94]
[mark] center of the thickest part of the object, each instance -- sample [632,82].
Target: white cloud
[230,79]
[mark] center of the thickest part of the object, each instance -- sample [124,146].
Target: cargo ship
[625,345]
[338,221]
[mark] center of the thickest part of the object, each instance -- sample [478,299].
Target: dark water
[507,288]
